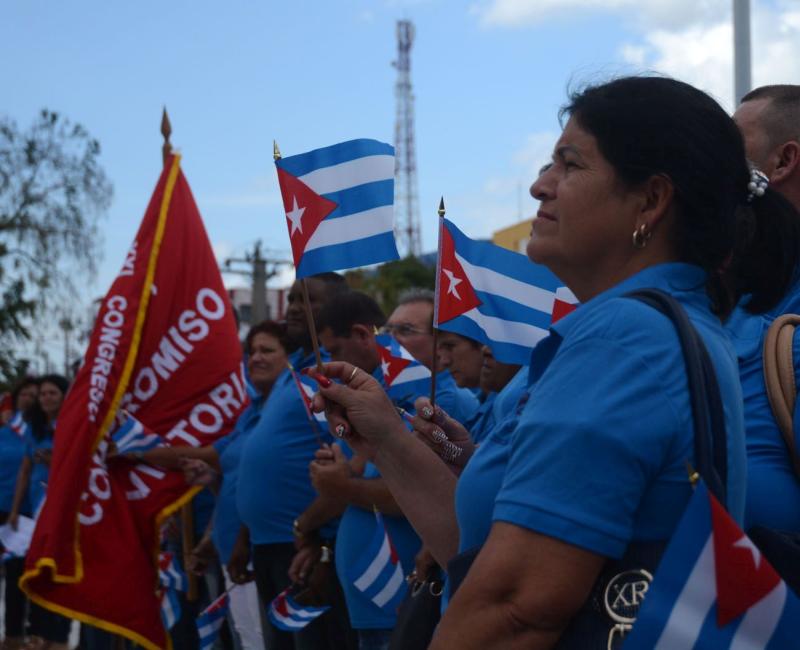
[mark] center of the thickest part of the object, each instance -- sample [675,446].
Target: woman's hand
[446,436]
[201,556]
[358,409]
[239,560]
[330,472]
[303,562]
[198,472]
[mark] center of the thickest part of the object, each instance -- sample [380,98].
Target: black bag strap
[710,440]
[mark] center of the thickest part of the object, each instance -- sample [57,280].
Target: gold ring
[352,374]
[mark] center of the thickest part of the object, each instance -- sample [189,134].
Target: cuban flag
[210,621]
[170,574]
[493,295]
[379,574]
[339,204]
[287,614]
[17,424]
[131,435]
[306,387]
[714,589]
[170,608]
[404,378]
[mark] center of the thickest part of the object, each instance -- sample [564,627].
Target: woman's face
[27,397]
[266,360]
[585,221]
[50,399]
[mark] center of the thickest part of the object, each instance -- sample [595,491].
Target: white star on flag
[745,543]
[295,215]
[454,282]
[385,368]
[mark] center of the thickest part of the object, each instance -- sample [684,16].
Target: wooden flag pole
[312,328]
[435,363]
[187,515]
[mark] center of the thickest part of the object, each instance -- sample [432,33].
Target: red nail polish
[322,380]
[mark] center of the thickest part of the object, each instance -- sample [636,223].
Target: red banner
[165,347]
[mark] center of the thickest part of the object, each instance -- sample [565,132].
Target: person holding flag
[649,189]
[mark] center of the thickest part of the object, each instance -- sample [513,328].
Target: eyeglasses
[401,329]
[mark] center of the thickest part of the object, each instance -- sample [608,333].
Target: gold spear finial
[276,153]
[441,207]
[694,475]
[166,131]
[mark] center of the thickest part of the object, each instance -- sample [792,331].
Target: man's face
[296,323]
[410,324]
[358,348]
[462,357]
[749,119]
[494,374]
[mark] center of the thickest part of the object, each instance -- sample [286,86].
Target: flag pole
[435,362]
[312,328]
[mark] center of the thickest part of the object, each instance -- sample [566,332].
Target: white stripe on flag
[375,567]
[390,588]
[760,621]
[289,622]
[352,227]
[692,606]
[352,173]
[209,629]
[412,373]
[300,613]
[490,281]
[507,331]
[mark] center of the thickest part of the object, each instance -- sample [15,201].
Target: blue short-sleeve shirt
[12,450]
[40,472]
[273,486]
[459,403]
[598,458]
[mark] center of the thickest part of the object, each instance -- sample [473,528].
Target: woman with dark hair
[49,631]
[12,451]
[649,188]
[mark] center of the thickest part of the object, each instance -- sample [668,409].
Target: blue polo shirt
[508,397]
[12,450]
[273,487]
[482,421]
[40,472]
[459,403]
[597,458]
[773,490]
[229,448]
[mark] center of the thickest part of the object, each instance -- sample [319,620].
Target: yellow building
[514,237]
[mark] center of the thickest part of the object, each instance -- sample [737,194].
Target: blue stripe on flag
[370,250]
[785,633]
[712,636]
[501,307]
[503,352]
[304,163]
[361,197]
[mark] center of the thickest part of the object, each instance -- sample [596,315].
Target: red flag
[165,348]
[454,293]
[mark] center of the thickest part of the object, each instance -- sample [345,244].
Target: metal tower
[406,200]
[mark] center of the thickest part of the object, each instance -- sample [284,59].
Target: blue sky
[488,77]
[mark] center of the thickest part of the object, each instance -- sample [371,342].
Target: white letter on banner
[198,424]
[223,397]
[196,329]
[215,299]
[144,393]
[167,359]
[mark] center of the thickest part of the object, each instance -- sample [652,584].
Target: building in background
[515,237]
[242,300]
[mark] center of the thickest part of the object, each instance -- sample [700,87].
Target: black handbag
[418,614]
[613,603]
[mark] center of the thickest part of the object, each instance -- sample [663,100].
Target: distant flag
[565,303]
[17,424]
[404,378]
[132,436]
[210,621]
[306,387]
[170,607]
[714,590]
[170,574]
[287,614]
[339,206]
[493,295]
[378,574]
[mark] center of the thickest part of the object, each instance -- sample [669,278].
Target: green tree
[387,282]
[53,192]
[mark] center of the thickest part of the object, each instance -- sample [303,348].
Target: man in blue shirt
[274,486]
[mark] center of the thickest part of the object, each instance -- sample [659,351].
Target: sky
[488,76]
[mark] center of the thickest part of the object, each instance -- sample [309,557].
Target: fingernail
[439,436]
[340,430]
[322,380]
[427,412]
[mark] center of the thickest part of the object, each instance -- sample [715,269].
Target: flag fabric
[287,614]
[170,574]
[306,388]
[714,590]
[379,574]
[339,206]
[404,378]
[210,621]
[17,424]
[165,348]
[170,607]
[493,295]
[132,436]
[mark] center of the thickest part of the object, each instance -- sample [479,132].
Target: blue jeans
[374,639]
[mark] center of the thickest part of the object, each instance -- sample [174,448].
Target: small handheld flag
[170,608]
[339,208]
[170,574]
[17,424]
[714,589]
[404,378]
[379,574]
[132,436]
[210,621]
[494,295]
[288,615]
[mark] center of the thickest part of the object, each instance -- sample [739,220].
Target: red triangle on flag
[455,293]
[743,574]
[305,210]
[565,303]
[391,366]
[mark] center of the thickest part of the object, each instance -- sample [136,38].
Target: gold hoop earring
[641,236]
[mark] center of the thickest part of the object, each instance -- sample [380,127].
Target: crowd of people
[512,498]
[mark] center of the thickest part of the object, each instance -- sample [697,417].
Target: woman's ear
[657,194]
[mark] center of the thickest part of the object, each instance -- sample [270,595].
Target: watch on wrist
[299,534]
[326,556]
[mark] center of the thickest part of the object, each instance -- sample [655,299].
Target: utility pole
[742,82]
[256,270]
